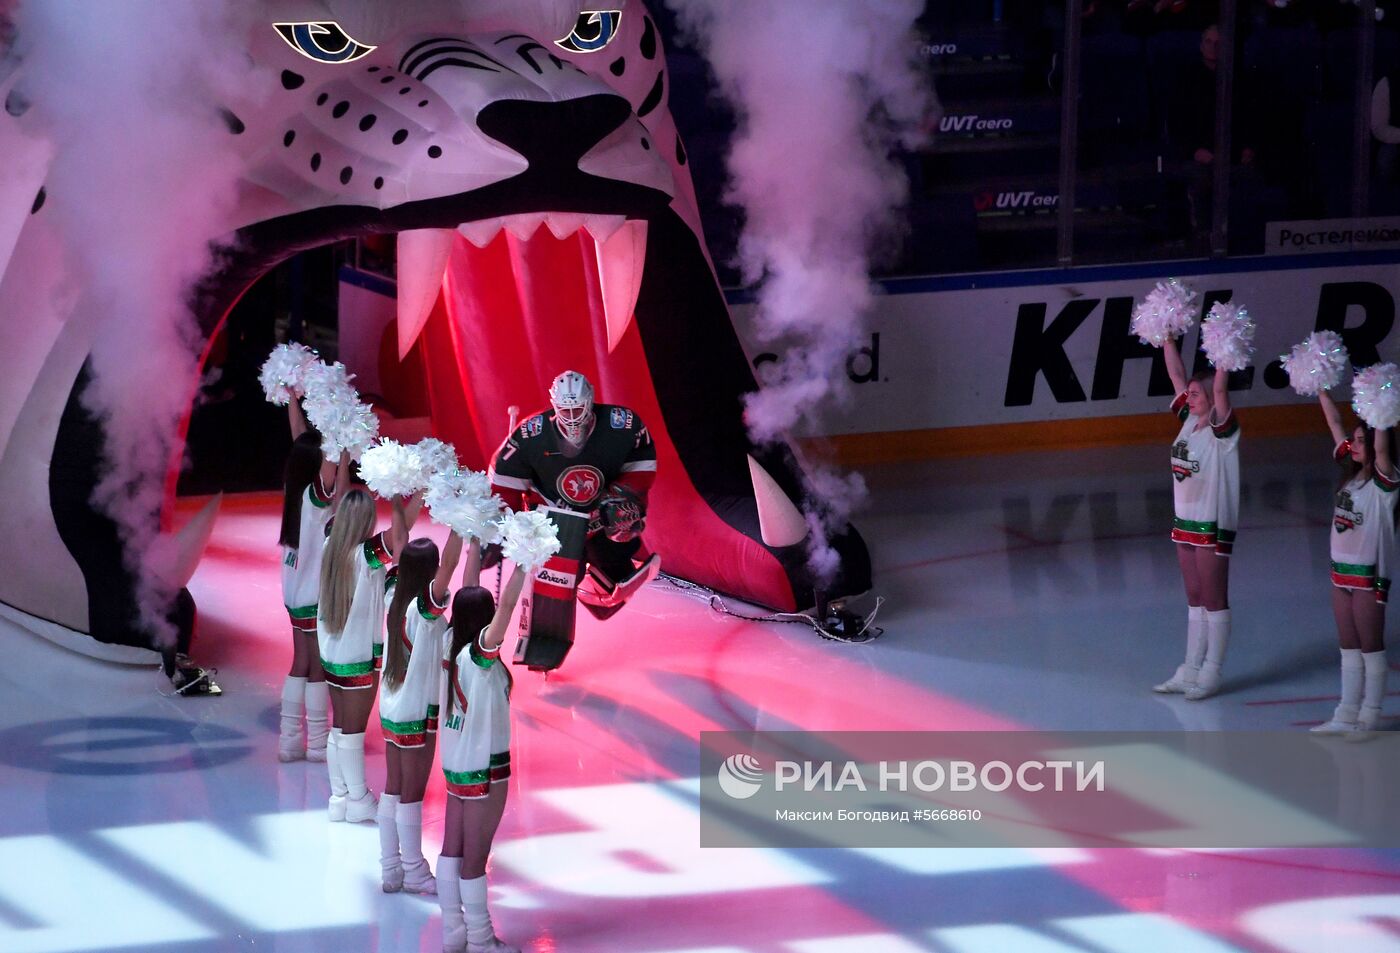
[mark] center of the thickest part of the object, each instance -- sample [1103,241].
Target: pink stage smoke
[822,93]
[129,94]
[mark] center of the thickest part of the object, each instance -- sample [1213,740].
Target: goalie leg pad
[547,609]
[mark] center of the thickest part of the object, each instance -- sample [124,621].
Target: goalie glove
[622,514]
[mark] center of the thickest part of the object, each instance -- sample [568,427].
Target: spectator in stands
[1159,15]
[1384,130]
[1191,127]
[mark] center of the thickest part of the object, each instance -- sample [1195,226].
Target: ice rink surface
[1023,591]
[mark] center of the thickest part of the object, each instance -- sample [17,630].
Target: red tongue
[512,316]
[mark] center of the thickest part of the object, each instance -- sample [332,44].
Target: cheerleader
[408,707]
[475,758]
[310,488]
[1206,490]
[349,619]
[1363,541]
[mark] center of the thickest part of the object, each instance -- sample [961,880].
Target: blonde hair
[353,523]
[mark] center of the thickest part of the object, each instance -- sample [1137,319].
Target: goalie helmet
[571,396]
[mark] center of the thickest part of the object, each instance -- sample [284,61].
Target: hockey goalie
[589,467]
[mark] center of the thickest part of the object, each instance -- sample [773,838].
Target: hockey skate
[190,679]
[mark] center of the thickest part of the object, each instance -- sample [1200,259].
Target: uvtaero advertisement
[976,356]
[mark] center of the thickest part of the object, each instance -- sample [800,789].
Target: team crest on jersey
[621,418]
[533,427]
[1183,467]
[1345,516]
[580,484]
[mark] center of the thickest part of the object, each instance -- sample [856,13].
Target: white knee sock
[389,860]
[449,893]
[1374,696]
[409,820]
[351,752]
[333,765]
[318,702]
[289,741]
[1184,678]
[1353,668]
[1195,638]
[479,928]
[293,696]
[1217,640]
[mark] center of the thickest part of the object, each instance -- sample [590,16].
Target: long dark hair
[303,466]
[1349,467]
[472,611]
[418,564]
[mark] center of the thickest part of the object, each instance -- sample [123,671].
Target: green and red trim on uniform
[350,674]
[473,784]
[320,496]
[1387,484]
[1227,427]
[378,649]
[303,618]
[405,734]
[1178,407]
[1342,452]
[485,659]
[432,719]
[1193,532]
[1361,576]
[1224,542]
[377,552]
[1203,533]
[428,607]
[480,656]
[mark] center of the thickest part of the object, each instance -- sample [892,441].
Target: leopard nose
[554,135]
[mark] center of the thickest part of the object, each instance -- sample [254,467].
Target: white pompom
[1227,337]
[462,501]
[528,539]
[324,379]
[281,374]
[1317,364]
[333,407]
[390,469]
[1376,395]
[438,457]
[1165,314]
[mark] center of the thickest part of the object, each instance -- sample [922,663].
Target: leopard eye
[594,30]
[324,42]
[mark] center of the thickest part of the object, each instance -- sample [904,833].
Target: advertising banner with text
[995,355]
